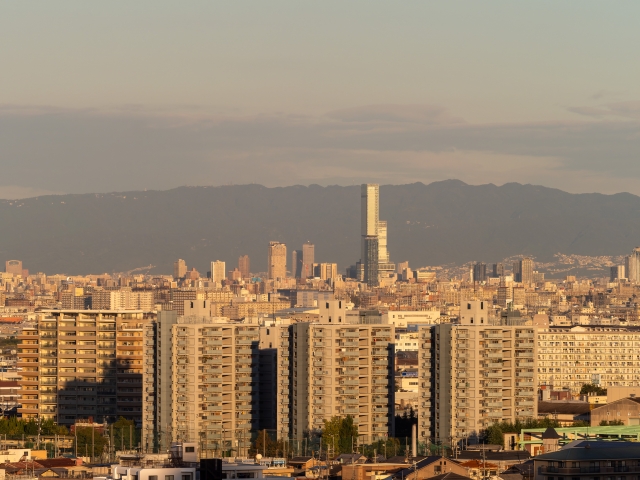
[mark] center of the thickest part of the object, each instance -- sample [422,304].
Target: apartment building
[342,369]
[215,395]
[473,374]
[570,356]
[82,363]
[122,299]
[275,377]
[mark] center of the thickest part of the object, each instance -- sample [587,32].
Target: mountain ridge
[429,224]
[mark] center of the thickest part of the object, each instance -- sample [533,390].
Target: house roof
[550,434]
[405,472]
[594,450]
[449,476]
[478,464]
[564,407]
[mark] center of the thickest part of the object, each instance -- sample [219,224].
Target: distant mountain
[444,222]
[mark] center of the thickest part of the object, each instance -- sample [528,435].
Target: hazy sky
[104,96]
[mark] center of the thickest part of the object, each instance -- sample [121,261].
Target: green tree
[340,435]
[125,434]
[588,388]
[494,433]
[265,444]
[89,441]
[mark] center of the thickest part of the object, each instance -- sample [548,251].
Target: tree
[122,434]
[494,434]
[86,439]
[264,444]
[589,388]
[340,435]
[404,423]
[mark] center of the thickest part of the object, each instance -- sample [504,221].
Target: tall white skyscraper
[383,253]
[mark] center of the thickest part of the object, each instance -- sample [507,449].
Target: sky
[117,96]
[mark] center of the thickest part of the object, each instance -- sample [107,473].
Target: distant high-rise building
[371,260]
[498,270]
[179,269]
[308,258]
[218,271]
[617,272]
[632,264]
[526,270]
[372,226]
[517,271]
[234,275]
[296,263]
[244,266]
[383,254]
[277,260]
[479,272]
[13,266]
[402,266]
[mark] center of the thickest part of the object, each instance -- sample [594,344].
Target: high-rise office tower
[296,262]
[342,369]
[479,272]
[277,260]
[13,266]
[632,264]
[218,271]
[371,261]
[369,218]
[617,272]
[517,271]
[179,269]
[526,270]
[244,266]
[498,270]
[308,258]
[383,254]
[474,374]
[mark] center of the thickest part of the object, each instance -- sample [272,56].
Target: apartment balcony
[349,334]
[349,382]
[524,403]
[524,354]
[524,344]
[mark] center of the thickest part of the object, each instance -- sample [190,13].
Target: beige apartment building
[473,374]
[342,369]
[275,378]
[571,356]
[122,299]
[215,393]
[82,363]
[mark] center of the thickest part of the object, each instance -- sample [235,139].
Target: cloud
[135,148]
[619,109]
[425,114]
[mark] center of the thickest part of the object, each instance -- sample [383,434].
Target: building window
[189,450]
[168,477]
